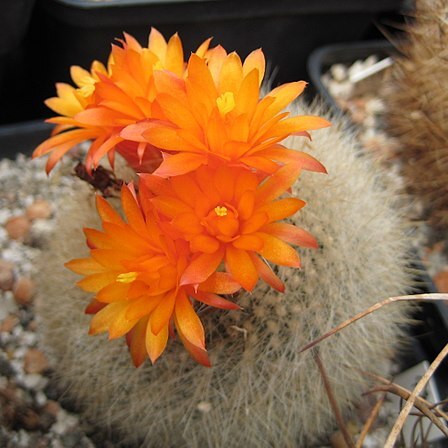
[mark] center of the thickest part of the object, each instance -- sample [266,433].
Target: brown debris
[39,209]
[24,290]
[7,324]
[6,275]
[18,227]
[35,361]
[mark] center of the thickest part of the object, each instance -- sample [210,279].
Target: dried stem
[333,402]
[405,393]
[373,308]
[370,421]
[412,398]
[419,404]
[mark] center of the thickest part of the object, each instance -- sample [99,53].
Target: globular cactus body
[261,391]
[418,106]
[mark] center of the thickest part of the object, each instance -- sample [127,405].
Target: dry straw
[418,105]
[261,391]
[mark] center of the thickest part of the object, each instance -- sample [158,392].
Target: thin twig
[404,393]
[333,403]
[370,421]
[373,308]
[390,442]
[419,403]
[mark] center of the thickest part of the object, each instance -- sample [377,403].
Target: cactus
[418,106]
[260,391]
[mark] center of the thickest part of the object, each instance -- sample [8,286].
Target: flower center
[126,277]
[226,103]
[222,222]
[220,210]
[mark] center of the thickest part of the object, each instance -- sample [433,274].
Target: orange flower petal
[267,274]
[284,155]
[255,222]
[215,301]
[107,146]
[283,95]
[170,206]
[278,252]
[202,49]
[220,283]
[291,234]
[142,306]
[188,322]
[113,292]
[205,244]
[94,306]
[175,56]
[231,74]
[241,267]
[163,312]
[255,61]
[201,268]
[179,164]
[132,211]
[246,98]
[157,44]
[102,321]
[246,204]
[155,343]
[97,239]
[278,183]
[197,353]
[120,325]
[106,211]
[248,242]
[282,208]
[108,258]
[299,124]
[84,266]
[95,282]
[136,339]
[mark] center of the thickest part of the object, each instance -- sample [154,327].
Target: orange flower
[135,270]
[106,101]
[226,214]
[215,114]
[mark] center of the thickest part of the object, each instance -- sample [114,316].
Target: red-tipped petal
[136,339]
[215,301]
[278,183]
[291,234]
[267,274]
[197,353]
[94,306]
[188,322]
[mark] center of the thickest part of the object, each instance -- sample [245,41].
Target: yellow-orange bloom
[216,115]
[106,101]
[226,214]
[134,269]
